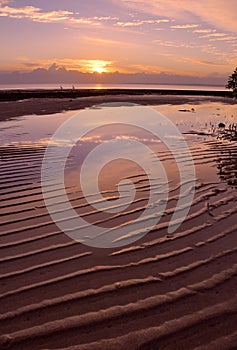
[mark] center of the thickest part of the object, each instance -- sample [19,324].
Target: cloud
[174,44]
[59,76]
[107,42]
[82,65]
[106,18]
[36,14]
[185,26]
[137,23]
[218,13]
[219,37]
[209,63]
[87,21]
[204,62]
[203,31]
[225,38]
[213,35]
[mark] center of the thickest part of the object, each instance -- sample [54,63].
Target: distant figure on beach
[61,88]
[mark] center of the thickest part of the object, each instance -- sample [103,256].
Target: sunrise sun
[99,70]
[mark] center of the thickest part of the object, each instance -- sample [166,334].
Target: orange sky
[184,37]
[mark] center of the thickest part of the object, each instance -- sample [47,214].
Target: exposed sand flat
[161,292]
[43,105]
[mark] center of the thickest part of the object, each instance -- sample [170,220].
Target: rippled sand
[162,292]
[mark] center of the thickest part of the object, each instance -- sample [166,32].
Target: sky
[185,37]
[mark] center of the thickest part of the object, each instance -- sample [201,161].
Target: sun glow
[97,66]
[99,70]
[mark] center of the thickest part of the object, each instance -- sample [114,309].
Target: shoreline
[15,95]
[36,103]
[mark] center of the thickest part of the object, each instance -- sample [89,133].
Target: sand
[162,292]
[41,106]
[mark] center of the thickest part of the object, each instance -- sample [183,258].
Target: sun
[97,66]
[99,70]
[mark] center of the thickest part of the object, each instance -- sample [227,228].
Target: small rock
[221,125]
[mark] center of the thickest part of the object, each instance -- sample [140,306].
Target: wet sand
[41,106]
[162,292]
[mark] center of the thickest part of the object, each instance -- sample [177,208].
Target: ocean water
[111,86]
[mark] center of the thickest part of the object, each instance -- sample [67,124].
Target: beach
[164,291]
[14,103]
